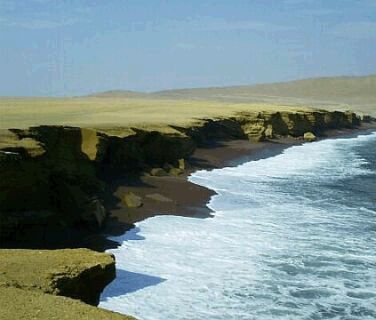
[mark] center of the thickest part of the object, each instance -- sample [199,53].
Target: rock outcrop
[309,137]
[76,273]
[21,304]
[268,125]
[132,200]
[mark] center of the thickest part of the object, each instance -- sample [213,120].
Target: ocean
[293,237]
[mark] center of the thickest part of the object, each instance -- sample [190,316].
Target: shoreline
[256,230]
[176,195]
[89,185]
[89,182]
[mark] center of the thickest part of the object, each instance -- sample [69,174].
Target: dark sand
[177,196]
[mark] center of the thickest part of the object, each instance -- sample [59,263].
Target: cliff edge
[76,273]
[55,178]
[25,305]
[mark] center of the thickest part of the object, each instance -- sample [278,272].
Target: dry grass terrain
[116,112]
[122,109]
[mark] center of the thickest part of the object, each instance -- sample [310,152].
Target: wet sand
[175,195]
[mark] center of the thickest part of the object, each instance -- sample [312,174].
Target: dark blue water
[294,237]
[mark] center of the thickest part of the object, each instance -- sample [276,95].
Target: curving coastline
[55,179]
[60,183]
[280,222]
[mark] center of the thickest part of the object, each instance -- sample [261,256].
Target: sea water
[293,237]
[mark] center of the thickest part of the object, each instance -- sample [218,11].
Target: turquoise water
[293,237]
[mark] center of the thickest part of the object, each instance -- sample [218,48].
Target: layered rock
[21,304]
[76,273]
[267,125]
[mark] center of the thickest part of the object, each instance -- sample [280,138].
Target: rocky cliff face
[53,177]
[76,273]
[265,125]
[21,304]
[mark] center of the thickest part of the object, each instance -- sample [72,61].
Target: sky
[77,47]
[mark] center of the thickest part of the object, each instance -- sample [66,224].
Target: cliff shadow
[129,282]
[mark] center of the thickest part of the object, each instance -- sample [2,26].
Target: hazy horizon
[71,48]
[191,88]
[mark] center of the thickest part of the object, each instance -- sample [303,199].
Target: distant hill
[118,94]
[331,88]
[339,89]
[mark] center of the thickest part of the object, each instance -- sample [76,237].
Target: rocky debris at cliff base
[16,303]
[158,172]
[132,200]
[76,273]
[309,137]
[175,172]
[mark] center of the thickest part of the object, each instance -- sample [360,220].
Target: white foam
[276,248]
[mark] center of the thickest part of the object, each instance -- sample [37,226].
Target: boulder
[175,172]
[158,172]
[16,303]
[76,273]
[309,137]
[132,200]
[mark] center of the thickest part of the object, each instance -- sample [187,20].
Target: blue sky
[74,47]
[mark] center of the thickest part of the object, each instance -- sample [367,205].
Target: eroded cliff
[76,273]
[21,304]
[53,178]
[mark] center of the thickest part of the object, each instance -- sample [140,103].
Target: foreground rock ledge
[25,305]
[76,273]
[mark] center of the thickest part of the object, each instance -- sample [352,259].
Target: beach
[176,195]
[291,237]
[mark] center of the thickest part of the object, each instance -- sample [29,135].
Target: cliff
[40,284]
[53,181]
[76,273]
[25,305]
